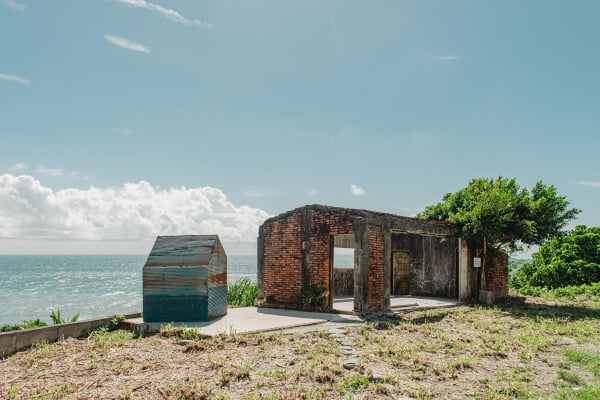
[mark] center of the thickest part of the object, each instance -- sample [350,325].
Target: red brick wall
[496,272]
[376,257]
[283,259]
[322,226]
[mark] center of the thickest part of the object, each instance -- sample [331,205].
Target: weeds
[242,293]
[56,319]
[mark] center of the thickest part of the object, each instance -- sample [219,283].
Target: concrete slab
[252,319]
[346,304]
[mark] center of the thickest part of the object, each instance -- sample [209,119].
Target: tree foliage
[565,260]
[500,214]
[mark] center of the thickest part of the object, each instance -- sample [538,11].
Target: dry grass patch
[523,350]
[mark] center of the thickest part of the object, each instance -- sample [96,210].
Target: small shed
[185,279]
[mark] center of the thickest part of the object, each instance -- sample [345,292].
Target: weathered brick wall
[376,256]
[283,259]
[323,224]
[496,272]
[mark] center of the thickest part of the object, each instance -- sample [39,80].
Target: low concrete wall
[13,341]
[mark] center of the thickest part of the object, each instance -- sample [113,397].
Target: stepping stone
[376,376]
[349,353]
[345,343]
[350,363]
[338,335]
[334,331]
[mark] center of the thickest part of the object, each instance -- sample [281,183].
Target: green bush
[242,293]
[565,260]
[26,324]
[312,297]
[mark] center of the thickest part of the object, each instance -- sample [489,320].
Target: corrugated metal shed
[185,279]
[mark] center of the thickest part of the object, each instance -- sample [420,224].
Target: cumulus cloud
[589,183]
[167,13]
[126,44]
[134,211]
[16,79]
[14,5]
[18,167]
[357,191]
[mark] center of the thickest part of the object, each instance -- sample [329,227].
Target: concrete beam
[14,341]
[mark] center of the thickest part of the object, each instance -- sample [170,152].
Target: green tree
[565,260]
[498,213]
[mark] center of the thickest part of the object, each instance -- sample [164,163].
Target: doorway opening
[342,272]
[400,273]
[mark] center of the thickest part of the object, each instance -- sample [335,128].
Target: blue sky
[116,114]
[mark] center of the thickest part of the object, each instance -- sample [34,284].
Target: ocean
[95,286]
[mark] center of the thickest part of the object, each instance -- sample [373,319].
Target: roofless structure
[393,256]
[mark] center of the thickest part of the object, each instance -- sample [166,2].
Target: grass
[524,349]
[583,294]
[242,293]
[587,360]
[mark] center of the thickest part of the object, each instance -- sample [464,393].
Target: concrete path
[252,319]
[346,304]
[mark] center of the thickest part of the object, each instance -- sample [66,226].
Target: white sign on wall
[476,262]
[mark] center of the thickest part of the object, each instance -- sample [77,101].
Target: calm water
[95,286]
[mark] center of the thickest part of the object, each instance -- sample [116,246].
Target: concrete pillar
[464,291]
[361,265]
[387,266]
[305,238]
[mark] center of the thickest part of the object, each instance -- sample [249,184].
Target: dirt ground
[516,351]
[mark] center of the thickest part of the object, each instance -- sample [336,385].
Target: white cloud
[15,78]
[126,44]
[14,5]
[258,193]
[446,58]
[589,183]
[134,211]
[168,13]
[313,191]
[357,191]
[123,131]
[45,171]
[18,167]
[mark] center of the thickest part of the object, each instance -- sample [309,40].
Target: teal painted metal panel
[179,277]
[175,308]
[217,301]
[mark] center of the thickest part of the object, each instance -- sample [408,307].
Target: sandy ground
[453,353]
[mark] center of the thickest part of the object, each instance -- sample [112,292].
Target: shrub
[565,260]
[242,293]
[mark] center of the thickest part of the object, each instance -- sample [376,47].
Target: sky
[121,120]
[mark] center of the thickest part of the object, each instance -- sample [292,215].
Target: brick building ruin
[393,255]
